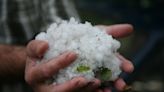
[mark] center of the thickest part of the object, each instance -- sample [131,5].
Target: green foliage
[82,68]
[103,74]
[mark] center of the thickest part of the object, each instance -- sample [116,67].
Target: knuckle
[30,44]
[62,62]
[30,47]
[28,78]
[46,72]
[78,82]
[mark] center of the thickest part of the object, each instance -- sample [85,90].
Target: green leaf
[104,74]
[82,68]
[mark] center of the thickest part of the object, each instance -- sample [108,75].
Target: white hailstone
[95,48]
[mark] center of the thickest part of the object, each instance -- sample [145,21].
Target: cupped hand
[37,74]
[119,31]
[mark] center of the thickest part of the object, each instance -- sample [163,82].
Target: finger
[120,84]
[54,65]
[99,90]
[46,70]
[30,63]
[42,87]
[92,86]
[72,85]
[119,30]
[126,66]
[37,48]
[107,90]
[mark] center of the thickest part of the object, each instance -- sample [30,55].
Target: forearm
[12,61]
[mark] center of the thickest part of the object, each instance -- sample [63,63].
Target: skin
[36,74]
[12,62]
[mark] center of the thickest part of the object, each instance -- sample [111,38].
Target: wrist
[12,59]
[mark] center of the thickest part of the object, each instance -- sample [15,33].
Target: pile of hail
[95,48]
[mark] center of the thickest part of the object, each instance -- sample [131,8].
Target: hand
[119,31]
[37,74]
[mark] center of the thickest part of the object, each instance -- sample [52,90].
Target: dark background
[145,47]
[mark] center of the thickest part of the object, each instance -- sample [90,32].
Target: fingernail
[41,49]
[127,88]
[72,54]
[81,82]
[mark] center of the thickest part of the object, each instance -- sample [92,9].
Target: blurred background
[145,47]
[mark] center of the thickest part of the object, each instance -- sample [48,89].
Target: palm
[36,74]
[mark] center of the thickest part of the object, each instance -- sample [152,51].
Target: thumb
[36,48]
[72,85]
